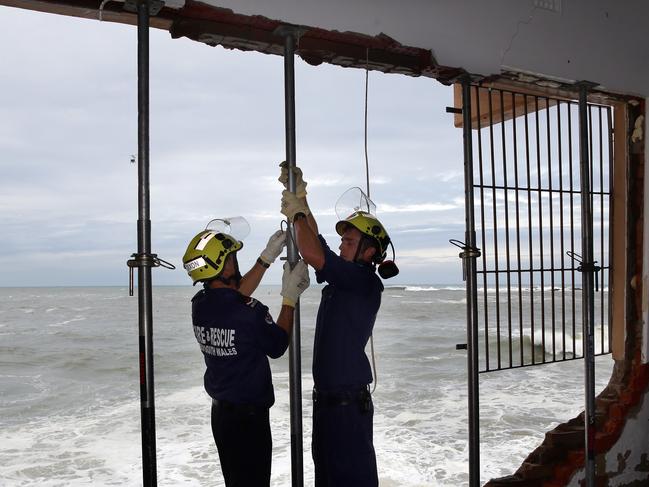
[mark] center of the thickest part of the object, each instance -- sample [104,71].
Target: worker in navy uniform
[342,443]
[237,334]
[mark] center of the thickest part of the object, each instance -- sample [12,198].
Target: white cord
[376,378]
[367,182]
[367,164]
[102,5]
[101,8]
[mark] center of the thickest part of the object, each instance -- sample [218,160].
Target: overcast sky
[68,127]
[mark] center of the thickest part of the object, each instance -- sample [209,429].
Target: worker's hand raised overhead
[276,244]
[300,184]
[292,205]
[294,282]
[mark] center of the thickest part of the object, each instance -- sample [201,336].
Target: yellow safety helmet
[205,256]
[368,225]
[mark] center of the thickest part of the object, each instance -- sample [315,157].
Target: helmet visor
[353,200]
[237,226]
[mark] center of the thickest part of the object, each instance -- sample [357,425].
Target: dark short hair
[367,243]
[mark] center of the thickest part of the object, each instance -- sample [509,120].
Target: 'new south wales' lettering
[218,342]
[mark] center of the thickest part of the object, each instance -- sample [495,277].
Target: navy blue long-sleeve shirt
[348,308]
[237,335]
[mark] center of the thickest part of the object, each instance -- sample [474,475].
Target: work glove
[294,282]
[274,247]
[300,184]
[292,205]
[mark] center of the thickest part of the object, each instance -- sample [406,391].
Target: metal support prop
[588,292]
[143,258]
[471,291]
[295,367]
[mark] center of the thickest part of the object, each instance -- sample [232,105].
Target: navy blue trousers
[342,445]
[244,442]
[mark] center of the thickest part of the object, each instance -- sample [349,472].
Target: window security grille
[527,222]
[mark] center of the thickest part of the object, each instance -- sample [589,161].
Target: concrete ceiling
[603,41]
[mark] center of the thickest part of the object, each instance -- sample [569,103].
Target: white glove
[300,184]
[276,244]
[292,205]
[294,282]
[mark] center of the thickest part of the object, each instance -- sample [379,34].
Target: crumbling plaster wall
[627,462]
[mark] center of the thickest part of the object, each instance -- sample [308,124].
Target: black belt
[240,408]
[342,398]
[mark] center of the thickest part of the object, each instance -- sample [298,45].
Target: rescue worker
[342,443]
[237,334]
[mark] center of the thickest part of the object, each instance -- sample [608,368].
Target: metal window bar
[573,307]
[492,160]
[507,234]
[482,226]
[609,124]
[527,191]
[519,273]
[562,241]
[540,227]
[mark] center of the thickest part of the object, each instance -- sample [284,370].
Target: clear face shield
[353,200]
[237,226]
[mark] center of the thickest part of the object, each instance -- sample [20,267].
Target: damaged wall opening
[416,162]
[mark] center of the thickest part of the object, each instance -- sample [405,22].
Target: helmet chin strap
[358,251]
[233,279]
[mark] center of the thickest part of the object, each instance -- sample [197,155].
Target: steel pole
[295,360]
[145,314]
[588,290]
[471,291]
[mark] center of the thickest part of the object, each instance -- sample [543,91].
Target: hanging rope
[367,163]
[367,186]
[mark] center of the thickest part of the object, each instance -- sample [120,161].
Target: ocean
[69,391]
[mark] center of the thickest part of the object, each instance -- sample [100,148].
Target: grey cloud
[68,127]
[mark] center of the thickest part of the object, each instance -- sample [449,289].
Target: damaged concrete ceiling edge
[214,26]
